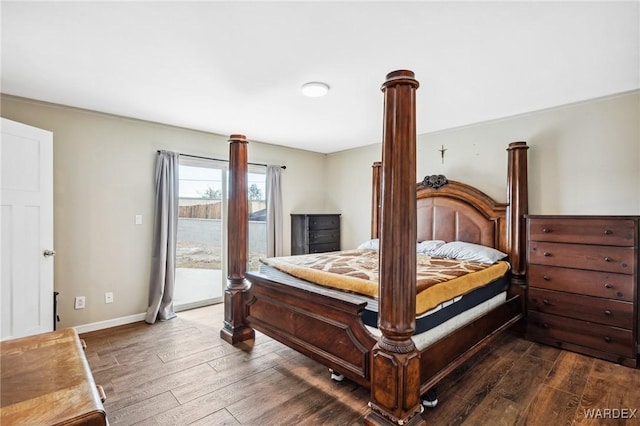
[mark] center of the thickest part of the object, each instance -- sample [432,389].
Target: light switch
[138,219]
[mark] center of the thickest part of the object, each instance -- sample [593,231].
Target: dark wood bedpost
[376,168]
[395,370]
[235,329]
[518,206]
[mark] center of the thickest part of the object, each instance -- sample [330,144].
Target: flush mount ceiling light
[315,89]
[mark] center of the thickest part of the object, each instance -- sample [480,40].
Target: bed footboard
[314,322]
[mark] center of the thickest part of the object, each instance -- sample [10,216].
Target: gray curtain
[163,259]
[274,211]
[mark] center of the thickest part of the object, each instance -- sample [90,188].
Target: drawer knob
[546,253]
[546,277]
[546,230]
[607,259]
[608,232]
[545,325]
[607,339]
[607,312]
[545,302]
[607,285]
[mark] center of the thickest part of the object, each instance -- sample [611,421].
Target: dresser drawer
[324,222]
[324,236]
[589,283]
[598,258]
[321,248]
[583,231]
[587,308]
[583,333]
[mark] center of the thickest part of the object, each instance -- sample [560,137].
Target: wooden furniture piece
[327,326]
[315,233]
[235,328]
[583,284]
[46,380]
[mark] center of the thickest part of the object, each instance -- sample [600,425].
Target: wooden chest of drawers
[582,276]
[315,233]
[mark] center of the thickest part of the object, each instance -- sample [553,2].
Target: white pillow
[429,246]
[467,251]
[370,245]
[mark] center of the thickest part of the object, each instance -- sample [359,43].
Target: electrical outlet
[108,297]
[79,303]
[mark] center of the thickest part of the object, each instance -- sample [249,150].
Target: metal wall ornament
[434,181]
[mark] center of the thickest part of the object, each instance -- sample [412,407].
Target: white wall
[584,158]
[348,188]
[104,172]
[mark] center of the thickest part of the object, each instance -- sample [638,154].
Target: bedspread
[356,271]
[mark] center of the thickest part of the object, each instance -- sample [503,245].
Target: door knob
[48,253]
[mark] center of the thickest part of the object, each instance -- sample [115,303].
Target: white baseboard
[101,325]
[198,304]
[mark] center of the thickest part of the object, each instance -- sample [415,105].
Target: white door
[26,214]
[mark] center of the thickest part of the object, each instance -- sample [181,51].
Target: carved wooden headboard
[449,210]
[454,211]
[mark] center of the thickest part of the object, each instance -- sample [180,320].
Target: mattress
[445,310]
[438,280]
[424,339]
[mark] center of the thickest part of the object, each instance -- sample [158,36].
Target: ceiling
[237,67]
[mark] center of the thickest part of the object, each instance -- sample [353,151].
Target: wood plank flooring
[180,372]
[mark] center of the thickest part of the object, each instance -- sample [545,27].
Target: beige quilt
[356,271]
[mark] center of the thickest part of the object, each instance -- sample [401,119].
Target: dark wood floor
[180,372]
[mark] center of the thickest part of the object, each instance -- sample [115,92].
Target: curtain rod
[219,159]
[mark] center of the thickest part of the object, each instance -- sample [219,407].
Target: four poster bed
[388,354]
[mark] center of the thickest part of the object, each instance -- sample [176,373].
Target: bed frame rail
[450,352]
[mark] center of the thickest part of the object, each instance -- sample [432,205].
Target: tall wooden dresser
[582,276]
[315,233]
